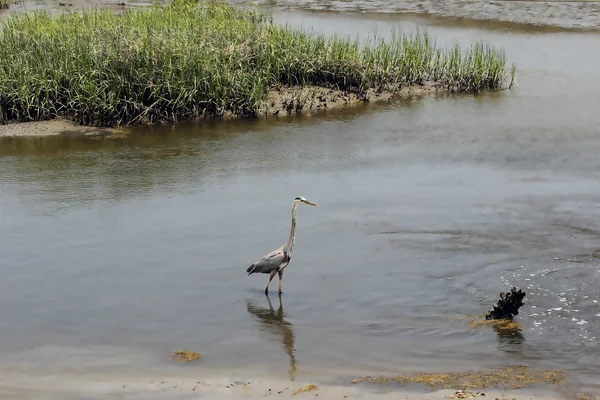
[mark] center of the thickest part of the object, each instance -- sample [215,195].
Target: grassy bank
[189,59]
[5,3]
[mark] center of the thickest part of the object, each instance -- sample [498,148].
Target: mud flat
[229,388]
[59,126]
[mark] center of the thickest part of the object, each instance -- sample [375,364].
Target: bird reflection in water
[274,322]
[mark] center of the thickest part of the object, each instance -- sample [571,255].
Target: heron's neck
[290,242]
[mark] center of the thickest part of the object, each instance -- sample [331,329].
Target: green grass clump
[188,59]
[5,3]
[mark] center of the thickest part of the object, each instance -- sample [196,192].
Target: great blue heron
[275,261]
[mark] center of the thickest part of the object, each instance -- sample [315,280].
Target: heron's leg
[280,279]
[270,279]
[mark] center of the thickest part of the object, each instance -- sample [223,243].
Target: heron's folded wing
[270,262]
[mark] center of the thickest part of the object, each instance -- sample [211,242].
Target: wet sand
[174,388]
[52,128]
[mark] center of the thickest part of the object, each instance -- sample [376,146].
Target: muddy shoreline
[168,387]
[281,101]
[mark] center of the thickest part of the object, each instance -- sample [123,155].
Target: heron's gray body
[275,261]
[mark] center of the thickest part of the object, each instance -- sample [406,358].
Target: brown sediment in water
[184,356]
[504,325]
[281,101]
[509,378]
[306,389]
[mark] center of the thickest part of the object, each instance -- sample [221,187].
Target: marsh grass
[5,3]
[188,59]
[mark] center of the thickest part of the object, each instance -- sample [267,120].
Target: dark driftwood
[508,305]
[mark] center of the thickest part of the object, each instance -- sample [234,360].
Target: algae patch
[306,389]
[509,377]
[501,324]
[184,356]
[503,327]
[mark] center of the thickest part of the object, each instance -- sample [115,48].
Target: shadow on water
[275,323]
[510,337]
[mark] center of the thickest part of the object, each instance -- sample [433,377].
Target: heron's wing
[268,263]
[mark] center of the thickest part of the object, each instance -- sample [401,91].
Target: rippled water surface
[502,14]
[115,252]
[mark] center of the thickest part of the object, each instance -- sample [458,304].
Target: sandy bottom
[52,128]
[280,101]
[74,387]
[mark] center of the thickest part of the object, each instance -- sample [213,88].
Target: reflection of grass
[184,356]
[509,377]
[188,59]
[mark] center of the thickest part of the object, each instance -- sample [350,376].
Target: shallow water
[117,252]
[503,14]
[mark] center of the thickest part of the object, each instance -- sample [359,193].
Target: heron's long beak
[310,203]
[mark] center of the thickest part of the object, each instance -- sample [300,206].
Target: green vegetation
[188,59]
[5,3]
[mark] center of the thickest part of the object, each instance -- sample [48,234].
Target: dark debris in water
[508,305]
[509,378]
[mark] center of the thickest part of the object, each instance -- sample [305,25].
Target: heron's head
[303,200]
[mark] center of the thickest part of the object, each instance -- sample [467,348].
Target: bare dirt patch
[282,101]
